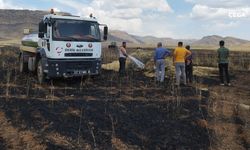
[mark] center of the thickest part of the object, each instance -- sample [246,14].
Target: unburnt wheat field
[133,112]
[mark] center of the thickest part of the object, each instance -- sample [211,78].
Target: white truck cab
[68,46]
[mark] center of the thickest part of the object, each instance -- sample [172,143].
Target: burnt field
[108,112]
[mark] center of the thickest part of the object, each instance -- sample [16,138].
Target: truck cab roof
[69,17]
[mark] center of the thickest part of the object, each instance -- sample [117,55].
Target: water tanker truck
[65,46]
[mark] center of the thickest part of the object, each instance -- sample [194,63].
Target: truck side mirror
[42,27]
[41,35]
[105,33]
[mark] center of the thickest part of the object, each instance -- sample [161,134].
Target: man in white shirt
[122,59]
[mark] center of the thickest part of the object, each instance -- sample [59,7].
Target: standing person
[159,59]
[223,54]
[122,59]
[179,56]
[189,66]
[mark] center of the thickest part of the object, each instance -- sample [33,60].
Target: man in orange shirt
[179,57]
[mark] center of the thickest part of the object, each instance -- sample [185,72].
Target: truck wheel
[40,74]
[23,66]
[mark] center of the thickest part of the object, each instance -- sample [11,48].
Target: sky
[180,19]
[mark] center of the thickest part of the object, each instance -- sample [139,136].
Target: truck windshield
[76,30]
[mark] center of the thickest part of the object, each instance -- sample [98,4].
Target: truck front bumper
[71,67]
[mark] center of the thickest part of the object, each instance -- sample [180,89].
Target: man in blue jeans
[223,54]
[159,59]
[179,56]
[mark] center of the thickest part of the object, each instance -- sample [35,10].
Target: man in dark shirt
[189,66]
[223,54]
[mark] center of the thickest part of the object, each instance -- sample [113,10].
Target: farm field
[108,112]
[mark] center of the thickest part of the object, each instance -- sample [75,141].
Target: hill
[119,36]
[12,23]
[213,40]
